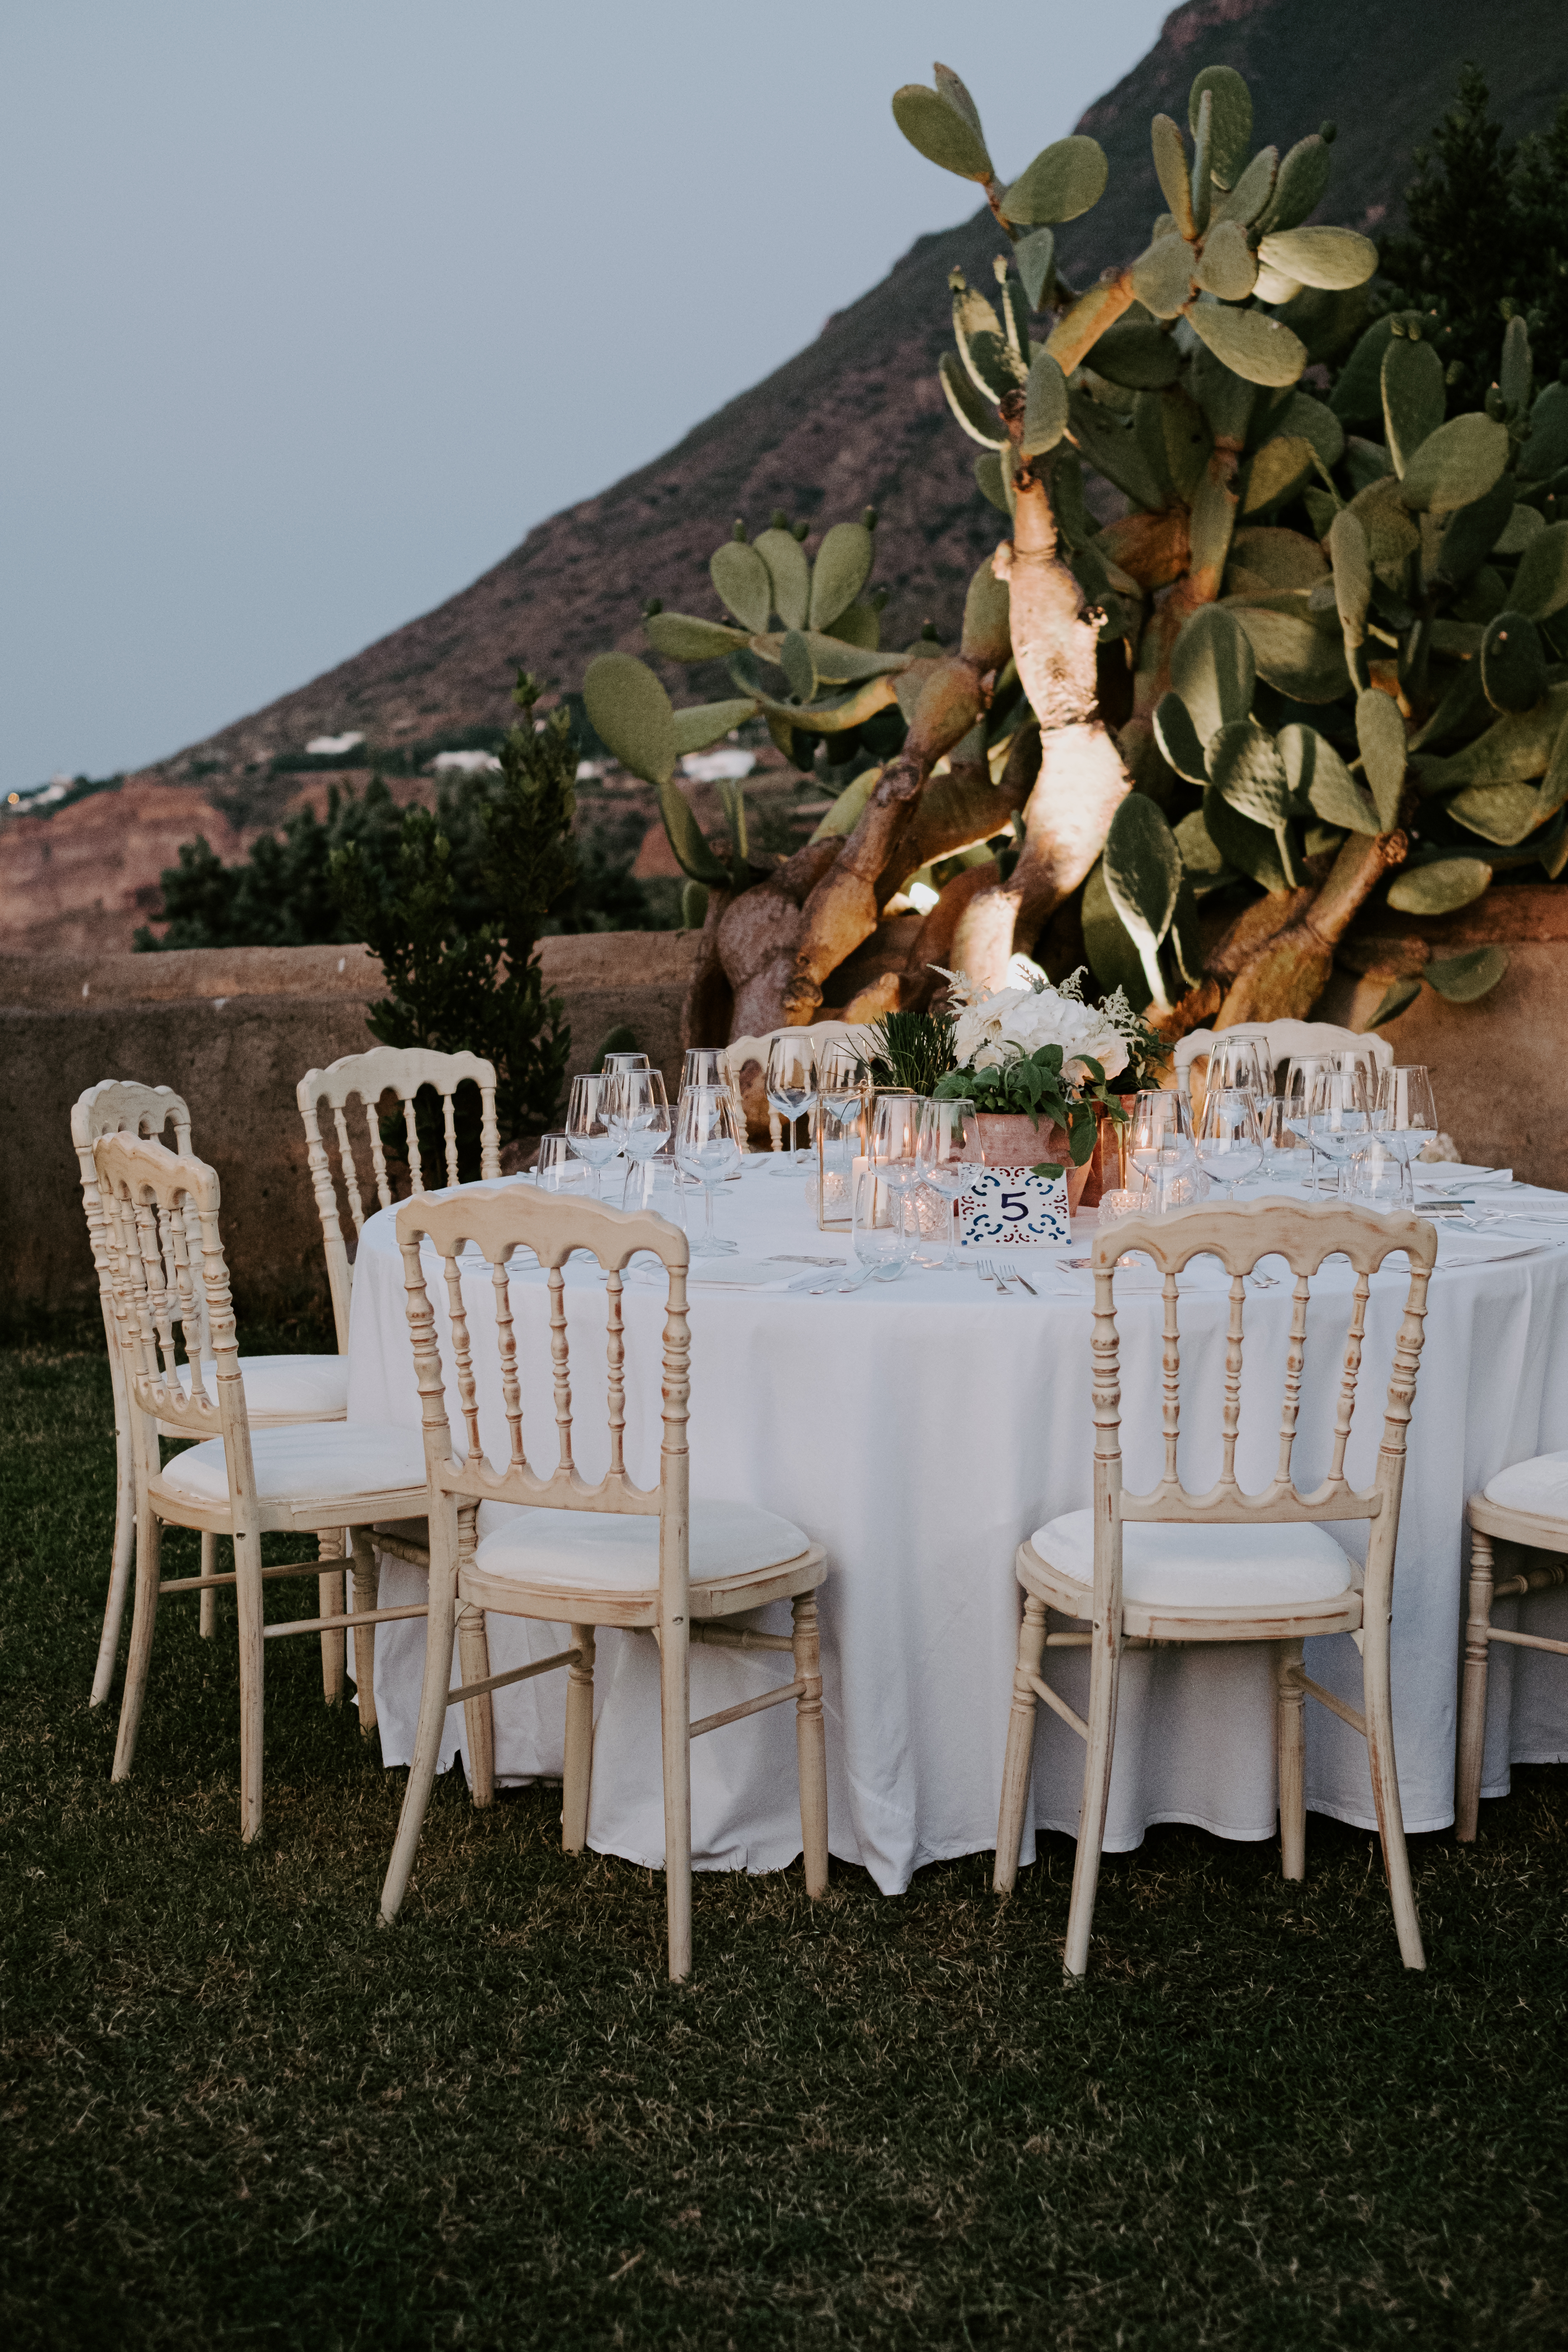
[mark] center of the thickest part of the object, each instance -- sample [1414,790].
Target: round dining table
[920,1428]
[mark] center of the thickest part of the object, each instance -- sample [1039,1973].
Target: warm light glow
[922,896]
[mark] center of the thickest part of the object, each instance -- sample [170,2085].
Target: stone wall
[234,1031]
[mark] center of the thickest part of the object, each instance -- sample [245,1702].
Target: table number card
[1005,1208]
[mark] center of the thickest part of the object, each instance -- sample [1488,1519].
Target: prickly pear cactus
[1340,619]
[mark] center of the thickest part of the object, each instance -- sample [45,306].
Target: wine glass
[641,1116]
[1229,1145]
[1340,1118]
[557,1168]
[588,1129]
[704,1065]
[947,1152]
[1296,1116]
[1404,1117]
[1160,1139]
[708,1147]
[790,1083]
[841,1076]
[1239,1062]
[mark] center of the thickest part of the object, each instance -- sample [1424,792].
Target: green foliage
[1033,1083]
[282,895]
[456,984]
[912,1049]
[1488,234]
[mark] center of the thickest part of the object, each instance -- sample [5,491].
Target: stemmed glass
[708,1147]
[892,1145]
[841,1074]
[556,1169]
[1238,1062]
[1340,1117]
[1404,1118]
[1159,1140]
[588,1128]
[947,1150]
[1296,1104]
[704,1065]
[790,1083]
[1229,1143]
[640,1116]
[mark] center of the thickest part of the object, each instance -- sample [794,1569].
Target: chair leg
[1104,1666]
[249,1591]
[1018,1761]
[577,1776]
[1378,1704]
[479,1713]
[363,1582]
[811,1744]
[432,1718]
[143,1617]
[120,1561]
[675,1721]
[334,1644]
[207,1605]
[1291,1713]
[1473,1688]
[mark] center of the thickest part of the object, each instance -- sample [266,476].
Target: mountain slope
[858,416]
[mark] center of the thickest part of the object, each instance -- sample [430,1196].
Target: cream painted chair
[740,1051]
[1527,1505]
[1226,1566]
[280,1390]
[1282,1039]
[583,1555]
[239,1480]
[385,1069]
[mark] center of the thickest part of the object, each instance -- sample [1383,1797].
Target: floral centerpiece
[1042,1066]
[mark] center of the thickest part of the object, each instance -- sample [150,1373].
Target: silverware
[987,1272]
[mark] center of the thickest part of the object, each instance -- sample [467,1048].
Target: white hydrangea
[994,1030]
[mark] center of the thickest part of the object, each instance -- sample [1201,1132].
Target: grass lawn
[234,2112]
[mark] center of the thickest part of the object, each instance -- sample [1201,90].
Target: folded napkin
[1460,1246]
[728,1274]
[1439,1176]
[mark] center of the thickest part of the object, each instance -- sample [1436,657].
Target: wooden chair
[587,1555]
[386,1069]
[1226,1566]
[1282,1040]
[1528,1504]
[741,1051]
[240,1480]
[280,1390]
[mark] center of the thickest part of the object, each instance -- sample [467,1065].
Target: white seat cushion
[1540,1485]
[311,1388]
[325,1458]
[611,1551]
[1170,1565]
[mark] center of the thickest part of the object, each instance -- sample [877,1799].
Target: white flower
[1003,1028]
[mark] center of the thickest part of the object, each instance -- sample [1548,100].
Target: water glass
[1301,1074]
[1375,1175]
[1160,1142]
[1340,1118]
[947,1151]
[588,1128]
[657,1186]
[882,1241]
[640,1116]
[893,1138]
[790,1083]
[1229,1145]
[708,1148]
[842,1074]
[557,1168]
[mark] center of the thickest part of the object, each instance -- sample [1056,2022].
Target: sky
[313,308]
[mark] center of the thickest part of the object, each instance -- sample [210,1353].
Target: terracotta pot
[1013,1141]
[1105,1168]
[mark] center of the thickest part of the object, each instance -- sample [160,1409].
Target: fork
[985,1269]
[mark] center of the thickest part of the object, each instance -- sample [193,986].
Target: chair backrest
[1281,1039]
[1303,1235]
[386,1069]
[740,1051]
[115,1107]
[551,1224]
[168,1270]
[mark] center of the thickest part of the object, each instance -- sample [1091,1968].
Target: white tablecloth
[918,1430]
